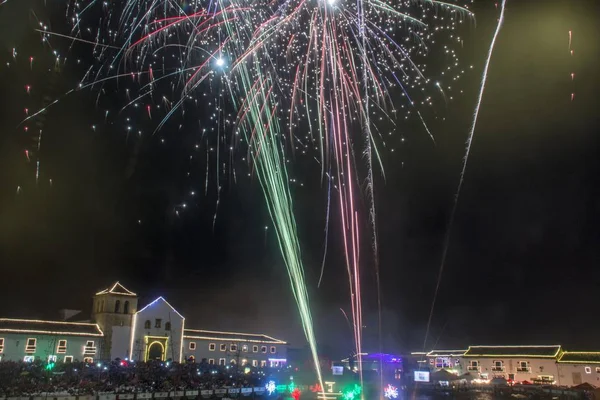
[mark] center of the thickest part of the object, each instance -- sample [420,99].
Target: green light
[50,366]
[352,393]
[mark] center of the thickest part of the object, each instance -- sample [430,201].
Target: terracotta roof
[516,351]
[117,288]
[230,336]
[10,325]
[580,357]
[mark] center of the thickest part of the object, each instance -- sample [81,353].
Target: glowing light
[391,392]
[271,387]
[220,62]
[117,288]
[98,331]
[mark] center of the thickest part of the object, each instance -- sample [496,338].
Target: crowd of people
[78,378]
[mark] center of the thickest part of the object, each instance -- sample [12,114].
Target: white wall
[159,309]
[14,346]
[568,374]
[537,366]
[203,351]
[121,338]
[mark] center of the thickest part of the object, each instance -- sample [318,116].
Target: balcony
[498,369]
[473,368]
[89,350]
[524,369]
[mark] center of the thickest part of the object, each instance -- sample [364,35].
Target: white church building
[117,329]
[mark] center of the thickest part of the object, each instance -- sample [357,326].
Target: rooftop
[543,351]
[230,336]
[446,353]
[580,357]
[117,288]
[10,325]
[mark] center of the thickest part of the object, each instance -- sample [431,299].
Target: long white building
[544,364]
[118,329]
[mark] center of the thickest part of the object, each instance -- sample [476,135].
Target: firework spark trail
[344,52]
[464,166]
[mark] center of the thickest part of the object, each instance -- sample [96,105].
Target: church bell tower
[113,311]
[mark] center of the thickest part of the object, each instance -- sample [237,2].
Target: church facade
[118,329]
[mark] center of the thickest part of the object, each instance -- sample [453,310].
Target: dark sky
[523,257]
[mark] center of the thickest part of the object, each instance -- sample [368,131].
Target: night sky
[522,266]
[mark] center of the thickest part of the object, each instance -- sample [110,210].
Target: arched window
[126,308]
[147,324]
[167,326]
[118,306]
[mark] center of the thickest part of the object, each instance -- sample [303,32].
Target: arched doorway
[156,351]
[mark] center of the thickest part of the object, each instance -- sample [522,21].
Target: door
[576,378]
[156,351]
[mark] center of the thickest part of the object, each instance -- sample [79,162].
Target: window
[88,360]
[51,358]
[147,324]
[167,326]
[263,349]
[192,346]
[28,359]
[598,370]
[158,323]
[30,347]
[244,362]
[211,361]
[442,362]
[126,308]
[523,366]
[255,349]
[233,361]
[212,347]
[245,348]
[473,365]
[89,348]
[62,346]
[588,370]
[68,359]
[484,376]
[221,361]
[255,363]
[223,347]
[263,363]
[117,306]
[1,345]
[498,366]
[233,347]
[273,350]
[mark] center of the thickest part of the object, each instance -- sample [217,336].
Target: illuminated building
[544,364]
[514,363]
[577,367]
[392,365]
[119,330]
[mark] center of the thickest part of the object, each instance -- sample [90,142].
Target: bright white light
[220,62]
[391,392]
[271,387]
[331,2]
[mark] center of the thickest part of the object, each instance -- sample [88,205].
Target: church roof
[513,351]
[10,325]
[118,289]
[230,336]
